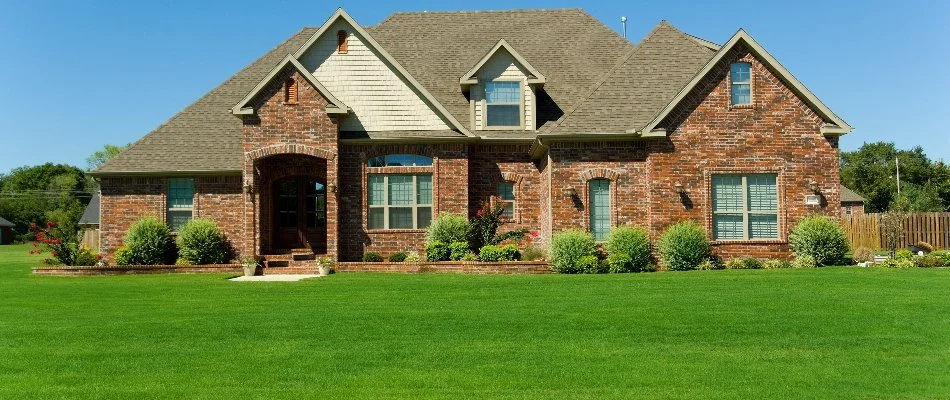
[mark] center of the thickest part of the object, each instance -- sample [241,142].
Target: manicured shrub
[804,261]
[449,228]
[469,257]
[821,238]
[458,250]
[372,257]
[944,255]
[634,242]
[776,264]
[509,252]
[862,254]
[489,253]
[929,261]
[123,256]
[486,223]
[683,246]
[901,263]
[591,265]
[710,264]
[904,254]
[85,257]
[413,257]
[619,263]
[568,247]
[533,253]
[437,251]
[150,242]
[743,263]
[398,257]
[200,242]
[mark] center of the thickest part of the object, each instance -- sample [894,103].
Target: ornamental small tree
[486,223]
[63,249]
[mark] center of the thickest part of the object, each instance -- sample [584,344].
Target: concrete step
[291,271]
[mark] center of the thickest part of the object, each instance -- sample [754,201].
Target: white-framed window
[399,201]
[848,210]
[741,79]
[599,205]
[503,104]
[181,195]
[745,207]
[506,196]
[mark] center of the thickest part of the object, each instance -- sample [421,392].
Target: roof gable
[5,223]
[835,125]
[335,107]
[371,43]
[470,77]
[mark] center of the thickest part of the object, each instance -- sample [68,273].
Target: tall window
[400,201]
[503,101]
[599,204]
[741,77]
[181,194]
[745,207]
[506,195]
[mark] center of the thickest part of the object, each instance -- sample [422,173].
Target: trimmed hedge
[201,242]
[149,242]
[449,228]
[567,249]
[372,257]
[634,243]
[820,238]
[683,246]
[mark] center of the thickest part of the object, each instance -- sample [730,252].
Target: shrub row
[149,242]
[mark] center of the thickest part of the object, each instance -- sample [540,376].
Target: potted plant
[324,265]
[250,266]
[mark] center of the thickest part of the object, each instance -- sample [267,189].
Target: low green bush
[903,254]
[683,246]
[533,253]
[821,238]
[743,263]
[437,251]
[489,253]
[901,263]
[413,257]
[591,265]
[398,256]
[804,261]
[123,256]
[776,264]
[458,250]
[634,242]
[149,242]
[710,264]
[85,257]
[509,252]
[944,255]
[449,228]
[619,263]
[567,248]
[372,257]
[469,257]
[862,254]
[201,242]
[929,261]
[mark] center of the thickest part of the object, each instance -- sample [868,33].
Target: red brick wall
[857,208]
[303,129]
[450,172]
[491,165]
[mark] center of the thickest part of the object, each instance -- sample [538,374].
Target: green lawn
[825,333]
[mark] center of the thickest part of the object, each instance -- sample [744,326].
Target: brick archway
[289,148]
[599,173]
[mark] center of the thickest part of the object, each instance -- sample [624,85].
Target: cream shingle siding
[502,67]
[380,99]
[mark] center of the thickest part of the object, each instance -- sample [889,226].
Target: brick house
[851,202]
[346,139]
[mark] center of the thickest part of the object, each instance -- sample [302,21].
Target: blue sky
[77,75]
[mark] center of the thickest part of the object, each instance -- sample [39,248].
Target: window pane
[376,162]
[727,192]
[763,226]
[177,218]
[424,217]
[740,72]
[507,115]
[377,218]
[741,94]
[424,189]
[727,226]
[316,204]
[506,190]
[763,194]
[377,190]
[502,92]
[509,210]
[400,160]
[181,193]
[423,161]
[400,218]
[400,189]
[600,208]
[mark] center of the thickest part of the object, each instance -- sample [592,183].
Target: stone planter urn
[325,265]
[250,266]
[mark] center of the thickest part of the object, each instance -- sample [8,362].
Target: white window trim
[746,212]
[484,106]
[386,206]
[749,83]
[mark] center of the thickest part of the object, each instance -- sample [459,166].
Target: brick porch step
[291,271]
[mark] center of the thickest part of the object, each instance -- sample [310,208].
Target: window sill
[741,106]
[384,231]
[750,241]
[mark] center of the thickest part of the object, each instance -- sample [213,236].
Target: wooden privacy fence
[865,230]
[90,239]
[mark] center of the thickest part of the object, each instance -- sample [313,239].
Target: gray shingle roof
[204,136]
[849,196]
[90,216]
[5,223]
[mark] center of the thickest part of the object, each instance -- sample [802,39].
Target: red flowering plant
[485,225]
[63,250]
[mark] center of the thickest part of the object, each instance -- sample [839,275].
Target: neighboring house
[851,202]
[6,231]
[346,139]
[89,224]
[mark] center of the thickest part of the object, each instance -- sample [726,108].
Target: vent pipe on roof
[623,22]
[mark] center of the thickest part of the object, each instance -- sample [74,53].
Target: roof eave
[166,173]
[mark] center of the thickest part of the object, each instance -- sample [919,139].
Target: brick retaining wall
[464,267]
[139,269]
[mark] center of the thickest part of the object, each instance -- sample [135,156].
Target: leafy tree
[916,198]
[48,192]
[871,171]
[100,157]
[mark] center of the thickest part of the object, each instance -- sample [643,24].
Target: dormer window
[503,104]
[341,42]
[290,91]
[741,77]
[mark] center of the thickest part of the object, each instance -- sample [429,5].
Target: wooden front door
[300,214]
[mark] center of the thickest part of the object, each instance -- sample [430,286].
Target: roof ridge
[483,11]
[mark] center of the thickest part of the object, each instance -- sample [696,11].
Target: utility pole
[897,162]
